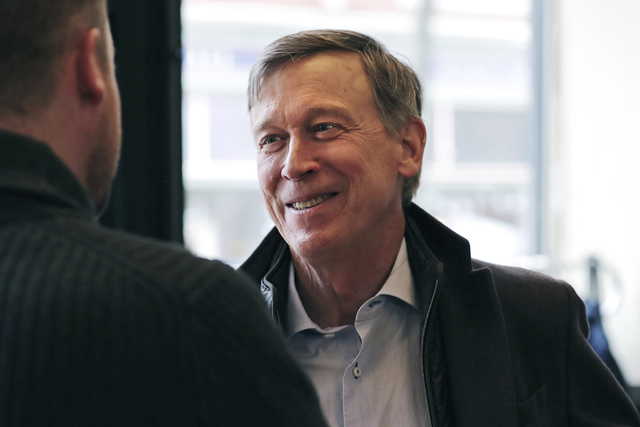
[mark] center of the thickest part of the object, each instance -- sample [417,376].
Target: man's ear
[414,137]
[88,62]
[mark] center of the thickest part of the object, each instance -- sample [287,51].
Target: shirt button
[357,372]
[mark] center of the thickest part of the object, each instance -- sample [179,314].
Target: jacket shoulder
[535,306]
[517,282]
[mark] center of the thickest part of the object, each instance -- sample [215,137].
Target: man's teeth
[310,203]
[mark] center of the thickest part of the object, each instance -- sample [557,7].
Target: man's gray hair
[396,88]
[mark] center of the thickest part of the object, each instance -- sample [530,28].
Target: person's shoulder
[97,298]
[518,279]
[74,259]
[524,291]
[166,266]
[532,302]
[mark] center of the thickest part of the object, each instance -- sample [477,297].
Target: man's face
[329,171]
[103,161]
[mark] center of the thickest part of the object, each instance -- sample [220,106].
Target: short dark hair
[32,36]
[396,88]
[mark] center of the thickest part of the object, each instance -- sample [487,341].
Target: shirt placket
[352,379]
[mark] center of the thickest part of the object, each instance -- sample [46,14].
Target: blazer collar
[435,239]
[472,328]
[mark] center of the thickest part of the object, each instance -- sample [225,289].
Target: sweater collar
[29,170]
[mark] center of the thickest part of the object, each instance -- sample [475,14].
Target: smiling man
[383,306]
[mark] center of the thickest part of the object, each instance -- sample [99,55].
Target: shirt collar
[297,317]
[399,284]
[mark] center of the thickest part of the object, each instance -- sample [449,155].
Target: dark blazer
[101,328]
[503,346]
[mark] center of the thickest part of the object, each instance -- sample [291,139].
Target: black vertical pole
[148,194]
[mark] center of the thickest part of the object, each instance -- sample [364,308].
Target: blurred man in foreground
[383,306]
[99,328]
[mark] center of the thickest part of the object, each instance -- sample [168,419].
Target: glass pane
[473,60]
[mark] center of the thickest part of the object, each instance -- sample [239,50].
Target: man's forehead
[331,63]
[333,82]
[335,75]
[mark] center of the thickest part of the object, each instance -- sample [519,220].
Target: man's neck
[48,127]
[15,124]
[333,289]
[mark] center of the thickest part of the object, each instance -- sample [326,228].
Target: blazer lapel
[481,384]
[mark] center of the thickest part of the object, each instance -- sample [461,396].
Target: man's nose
[300,161]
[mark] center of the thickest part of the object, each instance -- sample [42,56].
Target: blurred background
[532,108]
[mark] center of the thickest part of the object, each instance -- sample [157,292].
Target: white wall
[595,151]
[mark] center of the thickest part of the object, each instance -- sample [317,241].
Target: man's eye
[271,143]
[269,139]
[323,127]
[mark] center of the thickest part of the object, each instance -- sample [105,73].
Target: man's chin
[313,244]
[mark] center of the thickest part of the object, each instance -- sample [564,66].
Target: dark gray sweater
[101,328]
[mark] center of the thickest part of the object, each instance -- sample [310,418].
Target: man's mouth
[306,204]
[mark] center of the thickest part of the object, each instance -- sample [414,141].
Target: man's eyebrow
[261,126]
[339,112]
[311,114]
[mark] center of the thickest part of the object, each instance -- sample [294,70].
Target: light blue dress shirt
[368,374]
